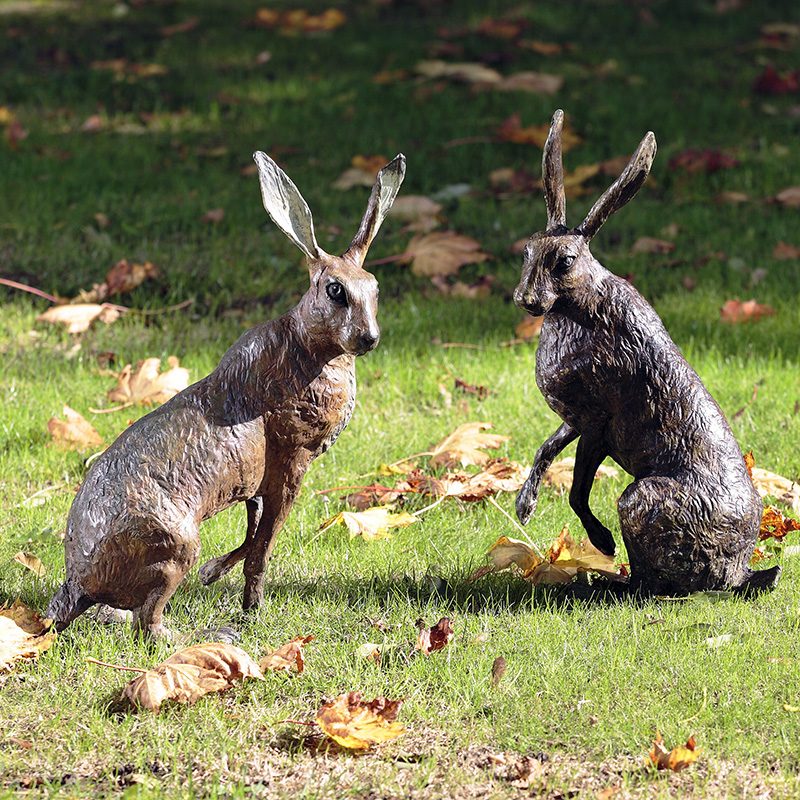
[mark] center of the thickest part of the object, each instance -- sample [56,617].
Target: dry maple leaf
[191,673]
[429,640]
[75,432]
[507,551]
[511,130]
[370,496]
[442,253]
[78,317]
[373,523]
[362,172]
[284,657]
[465,445]
[31,562]
[775,526]
[770,484]
[559,474]
[676,759]
[737,311]
[146,386]
[23,634]
[419,212]
[357,724]
[122,277]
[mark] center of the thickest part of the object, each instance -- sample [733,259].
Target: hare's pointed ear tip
[397,164]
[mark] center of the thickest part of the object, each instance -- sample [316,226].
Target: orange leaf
[443,253]
[512,131]
[529,328]
[74,433]
[146,386]
[738,311]
[676,759]
[775,525]
[431,639]
[283,658]
[357,724]
[465,445]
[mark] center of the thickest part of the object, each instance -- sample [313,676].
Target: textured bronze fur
[607,366]
[279,397]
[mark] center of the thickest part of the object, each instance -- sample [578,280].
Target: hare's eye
[565,261]
[337,293]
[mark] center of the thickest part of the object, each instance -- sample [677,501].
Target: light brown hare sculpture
[279,397]
[607,366]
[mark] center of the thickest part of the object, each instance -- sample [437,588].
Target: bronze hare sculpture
[607,366]
[279,397]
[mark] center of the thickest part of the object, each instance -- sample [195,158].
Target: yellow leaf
[23,634]
[374,523]
[443,253]
[33,563]
[465,445]
[506,551]
[191,673]
[357,724]
[284,657]
[676,759]
[73,433]
[774,485]
[146,386]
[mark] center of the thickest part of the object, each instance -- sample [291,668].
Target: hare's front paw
[526,502]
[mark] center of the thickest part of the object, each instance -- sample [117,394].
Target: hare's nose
[368,341]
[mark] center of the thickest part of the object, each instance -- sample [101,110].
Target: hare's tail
[66,604]
[757,581]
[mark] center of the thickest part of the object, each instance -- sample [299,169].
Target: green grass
[589,680]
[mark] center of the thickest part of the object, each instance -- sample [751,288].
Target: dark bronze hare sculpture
[607,366]
[279,397]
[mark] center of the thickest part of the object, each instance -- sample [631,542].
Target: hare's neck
[309,337]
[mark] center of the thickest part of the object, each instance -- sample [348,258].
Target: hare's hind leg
[214,569]
[588,457]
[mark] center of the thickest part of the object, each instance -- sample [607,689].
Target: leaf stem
[117,666]
[516,525]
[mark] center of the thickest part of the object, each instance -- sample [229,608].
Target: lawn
[125,124]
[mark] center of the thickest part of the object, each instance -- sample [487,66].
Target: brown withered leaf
[291,654]
[179,27]
[122,277]
[361,172]
[543,48]
[784,251]
[374,495]
[481,392]
[191,673]
[73,433]
[78,317]
[442,253]
[465,445]
[373,523]
[358,724]
[500,28]
[499,667]
[419,212]
[529,328]
[773,485]
[511,130]
[507,551]
[676,759]
[15,133]
[299,21]
[648,244]
[789,197]
[23,634]
[429,640]
[145,385]
[775,526]
[31,562]
[213,215]
[736,311]
[695,160]
[499,475]
[534,82]
[559,474]
[467,72]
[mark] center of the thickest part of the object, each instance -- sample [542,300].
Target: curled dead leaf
[191,673]
[78,317]
[770,484]
[284,657]
[775,526]
[358,724]
[442,253]
[676,759]
[468,72]
[465,445]
[145,385]
[74,433]
[31,562]
[23,634]
[511,130]
[373,523]
[735,311]
[429,640]
[648,244]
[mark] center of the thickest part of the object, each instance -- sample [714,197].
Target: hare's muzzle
[534,303]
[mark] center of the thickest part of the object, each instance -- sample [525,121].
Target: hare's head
[339,311]
[558,270]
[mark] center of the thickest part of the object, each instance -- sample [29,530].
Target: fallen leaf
[215,215]
[74,433]
[507,551]
[789,197]
[529,328]
[191,673]
[442,253]
[793,709]
[373,523]
[676,759]
[465,445]
[784,251]
[357,724]
[179,27]
[499,667]
[480,288]
[31,562]
[736,311]
[146,386]
[419,212]
[773,485]
[774,525]
[23,634]
[369,496]
[772,82]
[735,198]
[694,160]
[15,133]
[511,130]
[647,244]
[468,72]
[78,317]
[122,277]
[559,474]
[284,657]
[500,28]
[429,640]
[542,48]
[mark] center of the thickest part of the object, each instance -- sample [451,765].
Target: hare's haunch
[279,397]
[607,366]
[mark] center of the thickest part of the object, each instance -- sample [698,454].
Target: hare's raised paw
[525,504]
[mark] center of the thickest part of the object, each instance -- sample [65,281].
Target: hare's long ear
[553,174]
[623,189]
[386,187]
[286,206]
